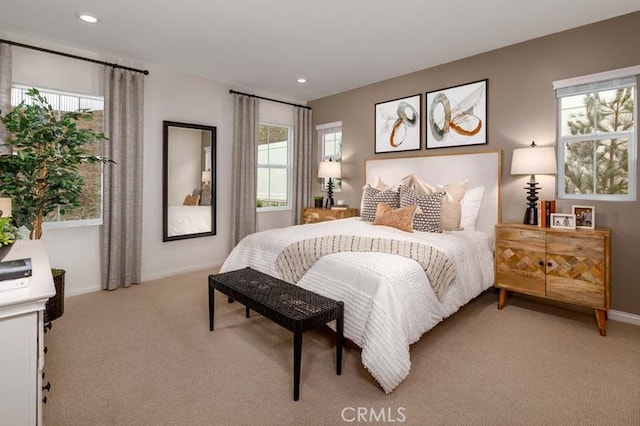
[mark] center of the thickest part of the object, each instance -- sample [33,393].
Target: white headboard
[481,168]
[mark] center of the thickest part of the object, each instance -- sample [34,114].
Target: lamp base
[531,216]
[329,201]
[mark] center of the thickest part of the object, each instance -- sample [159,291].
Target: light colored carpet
[145,356]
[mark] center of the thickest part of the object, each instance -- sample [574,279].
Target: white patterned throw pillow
[372,196]
[430,205]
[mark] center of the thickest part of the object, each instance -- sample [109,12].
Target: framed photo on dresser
[585,216]
[563,221]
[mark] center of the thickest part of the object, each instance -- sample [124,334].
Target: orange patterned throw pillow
[397,218]
[190,200]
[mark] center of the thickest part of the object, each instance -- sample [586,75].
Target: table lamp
[533,160]
[330,170]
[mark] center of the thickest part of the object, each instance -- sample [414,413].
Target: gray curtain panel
[122,206]
[5,92]
[301,164]
[244,167]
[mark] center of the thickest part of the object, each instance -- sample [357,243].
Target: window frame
[73,223]
[592,84]
[288,169]
[322,130]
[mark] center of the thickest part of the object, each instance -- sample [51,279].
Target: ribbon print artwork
[398,125]
[457,116]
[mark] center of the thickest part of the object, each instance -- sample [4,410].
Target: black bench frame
[290,306]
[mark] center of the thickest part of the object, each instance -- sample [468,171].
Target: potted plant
[8,235]
[42,172]
[317,201]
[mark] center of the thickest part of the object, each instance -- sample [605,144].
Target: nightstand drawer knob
[549,264]
[541,263]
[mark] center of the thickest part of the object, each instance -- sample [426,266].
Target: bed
[188,220]
[390,301]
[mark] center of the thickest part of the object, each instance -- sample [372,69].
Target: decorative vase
[4,250]
[317,203]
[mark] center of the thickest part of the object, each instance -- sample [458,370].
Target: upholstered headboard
[480,168]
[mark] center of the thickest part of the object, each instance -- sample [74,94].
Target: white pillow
[379,185]
[418,185]
[471,208]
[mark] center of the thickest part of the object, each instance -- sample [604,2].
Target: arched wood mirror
[188,181]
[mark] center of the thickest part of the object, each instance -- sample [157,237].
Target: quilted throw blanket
[300,256]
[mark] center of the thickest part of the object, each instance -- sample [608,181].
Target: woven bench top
[287,299]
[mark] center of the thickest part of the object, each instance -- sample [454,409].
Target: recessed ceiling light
[87,17]
[302,80]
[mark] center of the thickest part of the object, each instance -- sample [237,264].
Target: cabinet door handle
[549,264]
[47,387]
[541,263]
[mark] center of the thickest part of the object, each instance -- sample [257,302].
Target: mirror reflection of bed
[189,180]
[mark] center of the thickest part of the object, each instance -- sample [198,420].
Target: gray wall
[521,108]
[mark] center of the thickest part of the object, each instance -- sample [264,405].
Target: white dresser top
[40,289]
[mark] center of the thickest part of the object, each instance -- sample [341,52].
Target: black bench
[290,306]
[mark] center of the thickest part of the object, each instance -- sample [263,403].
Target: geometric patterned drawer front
[520,270]
[577,268]
[522,260]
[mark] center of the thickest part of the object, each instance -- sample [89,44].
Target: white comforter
[389,303]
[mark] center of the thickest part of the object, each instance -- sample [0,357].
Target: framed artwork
[457,116]
[585,216]
[563,221]
[398,125]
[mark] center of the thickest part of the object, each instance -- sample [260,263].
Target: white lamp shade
[206,176]
[5,207]
[330,169]
[534,161]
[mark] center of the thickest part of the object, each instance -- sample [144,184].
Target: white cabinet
[22,339]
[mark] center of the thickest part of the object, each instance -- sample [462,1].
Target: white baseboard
[178,271]
[148,277]
[624,317]
[80,291]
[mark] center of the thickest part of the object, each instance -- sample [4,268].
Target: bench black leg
[211,306]
[297,357]
[339,337]
[246,311]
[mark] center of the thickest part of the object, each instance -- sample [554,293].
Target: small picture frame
[563,221]
[585,216]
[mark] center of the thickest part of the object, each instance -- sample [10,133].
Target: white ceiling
[265,46]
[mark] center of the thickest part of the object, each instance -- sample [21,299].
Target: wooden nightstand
[567,265]
[313,215]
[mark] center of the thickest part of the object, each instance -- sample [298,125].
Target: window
[597,139]
[273,167]
[330,141]
[90,210]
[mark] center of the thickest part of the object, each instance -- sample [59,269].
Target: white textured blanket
[297,258]
[389,302]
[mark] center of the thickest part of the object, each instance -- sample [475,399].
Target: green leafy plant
[42,173]
[318,197]
[8,233]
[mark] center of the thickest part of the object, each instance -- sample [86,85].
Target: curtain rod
[268,99]
[68,55]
